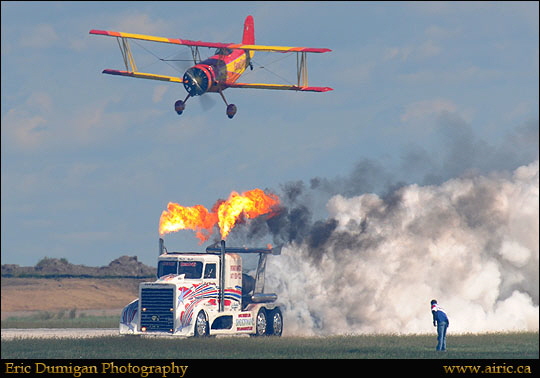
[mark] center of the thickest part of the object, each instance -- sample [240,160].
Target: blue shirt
[438,314]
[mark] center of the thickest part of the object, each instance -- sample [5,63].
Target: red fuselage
[215,73]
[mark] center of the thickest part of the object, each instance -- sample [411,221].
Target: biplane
[218,72]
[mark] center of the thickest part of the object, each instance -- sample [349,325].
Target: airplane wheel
[231,110]
[179,106]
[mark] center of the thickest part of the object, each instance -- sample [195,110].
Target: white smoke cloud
[471,243]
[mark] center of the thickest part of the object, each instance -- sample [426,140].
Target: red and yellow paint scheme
[220,71]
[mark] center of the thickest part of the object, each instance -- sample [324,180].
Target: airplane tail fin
[249,32]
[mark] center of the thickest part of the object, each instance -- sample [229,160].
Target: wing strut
[195,54]
[301,69]
[123,43]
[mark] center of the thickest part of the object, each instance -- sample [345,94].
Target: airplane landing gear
[231,110]
[180,105]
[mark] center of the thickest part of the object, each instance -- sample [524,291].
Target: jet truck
[205,294]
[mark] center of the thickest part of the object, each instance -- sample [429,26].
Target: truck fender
[129,319]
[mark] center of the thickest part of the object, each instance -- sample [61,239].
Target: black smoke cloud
[302,217]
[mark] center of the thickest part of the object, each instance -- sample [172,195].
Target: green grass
[468,346]
[61,319]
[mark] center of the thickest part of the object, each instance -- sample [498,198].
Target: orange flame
[225,214]
[196,218]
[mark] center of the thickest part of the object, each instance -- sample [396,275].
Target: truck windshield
[167,267]
[191,269]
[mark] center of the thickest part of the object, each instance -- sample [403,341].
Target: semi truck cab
[205,294]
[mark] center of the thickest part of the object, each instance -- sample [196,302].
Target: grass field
[467,346]
[61,319]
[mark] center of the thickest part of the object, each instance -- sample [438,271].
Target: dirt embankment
[55,285]
[25,295]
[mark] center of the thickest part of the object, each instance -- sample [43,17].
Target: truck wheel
[275,325]
[260,323]
[201,325]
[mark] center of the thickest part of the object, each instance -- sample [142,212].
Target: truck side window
[210,271]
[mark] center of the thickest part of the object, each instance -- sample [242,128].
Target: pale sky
[425,91]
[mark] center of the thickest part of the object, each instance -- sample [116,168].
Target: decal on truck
[196,295]
[244,322]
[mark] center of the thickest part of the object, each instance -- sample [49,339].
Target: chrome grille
[157,309]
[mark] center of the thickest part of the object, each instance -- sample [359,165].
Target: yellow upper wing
[187,42]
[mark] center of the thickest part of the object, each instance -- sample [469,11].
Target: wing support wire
[195,54]
[301,69]
[123,43]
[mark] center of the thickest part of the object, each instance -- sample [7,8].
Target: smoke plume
[382,247]
[374,265]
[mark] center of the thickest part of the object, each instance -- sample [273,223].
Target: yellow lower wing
[142,75]
[174,79]
[279,87]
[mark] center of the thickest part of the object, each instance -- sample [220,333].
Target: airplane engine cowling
[197,80]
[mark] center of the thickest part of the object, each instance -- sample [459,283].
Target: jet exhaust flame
[225,214]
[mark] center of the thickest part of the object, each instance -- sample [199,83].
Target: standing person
[440,320]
